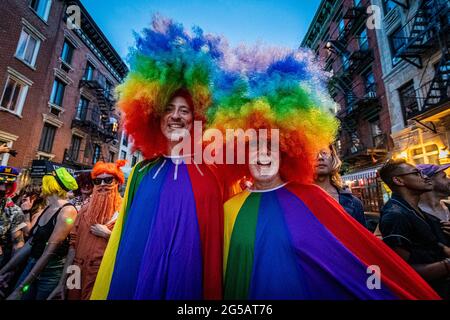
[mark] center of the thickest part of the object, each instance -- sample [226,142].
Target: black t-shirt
[420,235]
[401,226]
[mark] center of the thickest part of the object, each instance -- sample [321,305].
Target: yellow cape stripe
[231,210]
[104,276]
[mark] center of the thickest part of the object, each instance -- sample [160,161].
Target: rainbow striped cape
[167,242]
[296,242]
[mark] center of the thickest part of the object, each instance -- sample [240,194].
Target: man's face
[5,189]
[264,165]
[176,121]
[441,183]
[412,178]
[324,163]
[104,182]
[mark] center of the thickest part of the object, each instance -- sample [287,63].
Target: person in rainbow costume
[168,239]
[285,238]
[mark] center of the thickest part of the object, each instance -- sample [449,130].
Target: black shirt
[418,233]
[401,226]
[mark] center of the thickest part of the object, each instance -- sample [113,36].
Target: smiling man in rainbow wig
[285,238]
[167,242]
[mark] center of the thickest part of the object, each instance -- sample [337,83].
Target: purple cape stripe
[332,271]
[276,271]
[172,267]
[135,233]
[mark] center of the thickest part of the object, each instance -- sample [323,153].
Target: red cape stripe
[210,220]
[395,272]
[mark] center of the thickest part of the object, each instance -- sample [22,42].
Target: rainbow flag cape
[167,242]
[296,242]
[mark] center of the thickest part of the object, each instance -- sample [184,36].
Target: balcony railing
[97,81]
[96,123]
[421,32]
[419,101]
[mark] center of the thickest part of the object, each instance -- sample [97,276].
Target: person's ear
[398,181]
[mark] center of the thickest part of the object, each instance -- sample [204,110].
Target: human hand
[100,230]
[445,225]
[4,148]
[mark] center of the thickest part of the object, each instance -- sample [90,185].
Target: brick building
[342,38]
[56,85]
[415,39]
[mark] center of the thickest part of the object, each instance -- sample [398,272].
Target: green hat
[64,179]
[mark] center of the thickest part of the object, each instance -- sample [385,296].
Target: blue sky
[281,23]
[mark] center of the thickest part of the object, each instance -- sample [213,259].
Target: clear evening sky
[281,23]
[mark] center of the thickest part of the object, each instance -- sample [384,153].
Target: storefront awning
[363,174]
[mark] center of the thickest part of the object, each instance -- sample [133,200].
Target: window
[97,153]
[377,134]
[108,88]
[82,109]
[370,84]
[27,48]
[345,61]
[349,100]
[75,148]
[47,138]
[388,5]
[408,100]
[67,52]
[125,140]
[41,7]
[14,95]
[123,155]
[89,72]
[397,40]
[57,94]
[363,40]
[426,154]
[341,25]
[133,161]
[112,155]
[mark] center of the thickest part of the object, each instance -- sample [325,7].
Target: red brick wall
[29,127]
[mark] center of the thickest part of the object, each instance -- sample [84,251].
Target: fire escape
[343,85]
[97,119]
[423,35]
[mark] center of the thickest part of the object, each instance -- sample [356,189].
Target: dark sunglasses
[417,173]
[98,181]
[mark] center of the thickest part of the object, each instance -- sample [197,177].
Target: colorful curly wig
[165,59]
[232,88]
[279,89]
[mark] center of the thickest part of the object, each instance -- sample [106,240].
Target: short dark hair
[389,170]
[83,179]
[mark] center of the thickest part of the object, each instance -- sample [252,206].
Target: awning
[363,174]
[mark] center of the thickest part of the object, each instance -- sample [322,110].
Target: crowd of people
[43,233]
[281,226]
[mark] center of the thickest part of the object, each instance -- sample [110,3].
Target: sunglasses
[98,181]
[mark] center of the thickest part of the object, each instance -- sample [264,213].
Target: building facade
[56,85]
[128,153]
[414,41]
[343,39]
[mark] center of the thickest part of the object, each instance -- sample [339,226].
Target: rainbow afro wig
[272,88]
[243,87]
[166,59]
